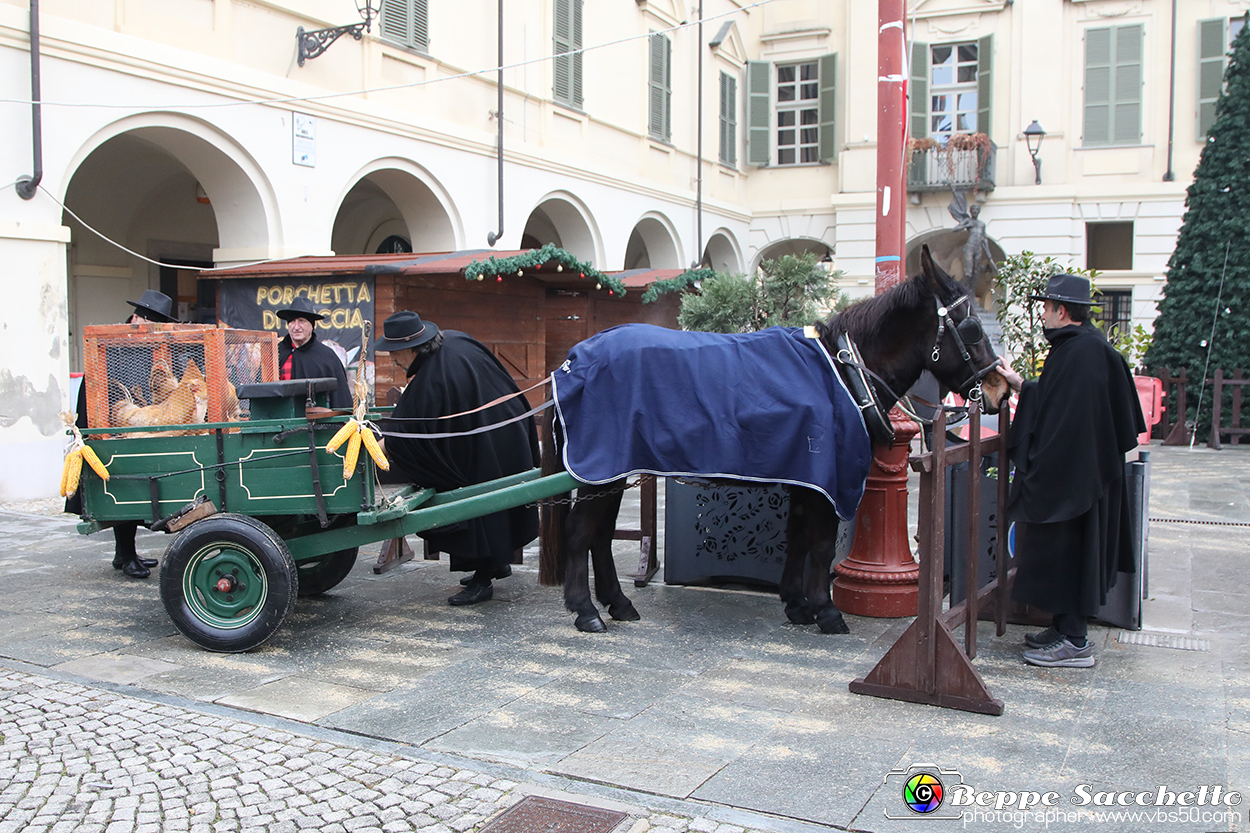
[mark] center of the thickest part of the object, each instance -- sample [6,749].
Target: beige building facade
[186,133]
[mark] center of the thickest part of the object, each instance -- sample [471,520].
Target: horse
[881,345]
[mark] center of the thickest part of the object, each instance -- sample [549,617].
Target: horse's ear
[935,276]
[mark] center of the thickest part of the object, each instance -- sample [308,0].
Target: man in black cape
[1073,427]
[450,373]
[302,356]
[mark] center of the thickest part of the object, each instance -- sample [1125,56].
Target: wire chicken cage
[172,374]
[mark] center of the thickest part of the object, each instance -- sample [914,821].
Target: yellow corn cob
[65,472]
[349,459]
[375,450]
[350,427]
[72,471]
[94,461]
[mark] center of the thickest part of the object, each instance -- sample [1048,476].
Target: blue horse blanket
[766,406]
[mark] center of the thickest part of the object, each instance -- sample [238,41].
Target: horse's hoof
[831,621]
[590,624]
[623,611]
[800,614]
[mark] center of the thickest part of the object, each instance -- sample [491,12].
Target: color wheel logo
[922,793]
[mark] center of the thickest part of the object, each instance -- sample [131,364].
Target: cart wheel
[317,575]
[227,582]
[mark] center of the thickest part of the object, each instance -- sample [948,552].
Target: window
[798,114]
[953,90]
[1108,246]
[661,88]
[567,67]
[1114,309]
[950,90]
[1113,85]
[1214,39]
[791,112]
[728,119]
[406,22]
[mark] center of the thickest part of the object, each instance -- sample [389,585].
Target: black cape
[316,361]
[461,376]
[1072,430]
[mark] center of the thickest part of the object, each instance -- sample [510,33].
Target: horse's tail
[552,553]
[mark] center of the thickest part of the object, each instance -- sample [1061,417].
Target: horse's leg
[607,584]
[792,591]
[582,529]
[822,542]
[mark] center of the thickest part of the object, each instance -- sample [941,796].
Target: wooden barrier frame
[1236,382]
[927,664]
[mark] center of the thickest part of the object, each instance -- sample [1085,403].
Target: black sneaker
[1042,638]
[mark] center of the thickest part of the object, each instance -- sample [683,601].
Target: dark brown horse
[924,323]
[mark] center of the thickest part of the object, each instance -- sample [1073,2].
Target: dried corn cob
[72,471]
[350,427]
[94,461]
[375,450]
[349,459]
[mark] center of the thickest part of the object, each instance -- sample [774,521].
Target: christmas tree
[1204,318]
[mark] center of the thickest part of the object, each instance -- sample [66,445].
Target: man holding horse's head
[1072,429]
[456,385]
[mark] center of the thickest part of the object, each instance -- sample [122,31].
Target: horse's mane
[866,320]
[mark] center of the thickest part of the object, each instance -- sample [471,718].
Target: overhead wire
[1210,346]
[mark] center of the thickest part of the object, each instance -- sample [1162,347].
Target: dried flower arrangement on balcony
[969,152]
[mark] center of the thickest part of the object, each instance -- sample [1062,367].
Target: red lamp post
[880,577]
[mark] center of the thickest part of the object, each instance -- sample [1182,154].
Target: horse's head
[961,357]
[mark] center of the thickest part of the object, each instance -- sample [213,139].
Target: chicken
[162,381]
[186,404]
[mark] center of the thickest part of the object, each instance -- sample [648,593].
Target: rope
[1197,522]
[483,429]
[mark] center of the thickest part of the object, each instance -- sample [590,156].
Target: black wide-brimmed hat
[404,330]
[1066,289]
[155,306]
[300,308]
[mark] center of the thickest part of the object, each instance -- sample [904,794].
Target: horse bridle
[962,331]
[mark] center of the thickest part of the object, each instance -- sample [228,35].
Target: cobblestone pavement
[76,759]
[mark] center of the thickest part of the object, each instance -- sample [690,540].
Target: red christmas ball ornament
[582,275]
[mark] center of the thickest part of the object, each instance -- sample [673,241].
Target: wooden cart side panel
[261,478]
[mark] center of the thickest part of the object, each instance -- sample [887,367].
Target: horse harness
[855,373]
[967,331]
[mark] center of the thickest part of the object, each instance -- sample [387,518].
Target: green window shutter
[828,108]
[655,90]
[728,119]
[668,89]
[985,89]
[562,44]
[406,22]
[1097,130]
[576,43]
[918,90]
[1212,46]
[1126,117]
[759,111]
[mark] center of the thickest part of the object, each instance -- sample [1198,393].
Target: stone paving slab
[712,713]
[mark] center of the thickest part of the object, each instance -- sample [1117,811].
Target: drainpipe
[698,210]
[28,186]
[1169,176]
[493,237]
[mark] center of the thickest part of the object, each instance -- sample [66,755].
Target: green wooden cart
[262,512]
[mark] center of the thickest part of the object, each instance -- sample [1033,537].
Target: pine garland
[548,259]
[688,278]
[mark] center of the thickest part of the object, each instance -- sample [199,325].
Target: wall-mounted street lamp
[1033,135]
[312,44]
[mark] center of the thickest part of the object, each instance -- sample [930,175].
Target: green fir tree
[1206,306]
[792,290]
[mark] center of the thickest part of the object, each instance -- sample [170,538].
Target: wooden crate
[133,364]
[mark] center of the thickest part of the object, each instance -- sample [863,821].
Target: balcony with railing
[964,163]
